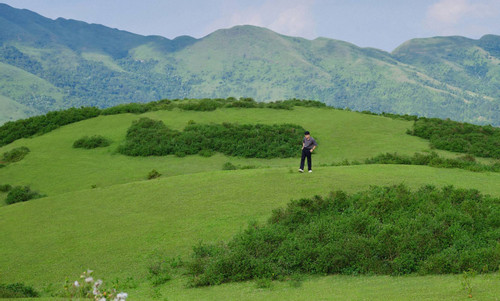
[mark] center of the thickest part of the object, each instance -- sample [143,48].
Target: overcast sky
[383,24]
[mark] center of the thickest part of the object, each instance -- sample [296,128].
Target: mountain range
[50,64]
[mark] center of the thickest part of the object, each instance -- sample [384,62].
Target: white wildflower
[98,283]
[96,292]
[121,296]
[89,272]
[76,284]
[89,279]
[102,299]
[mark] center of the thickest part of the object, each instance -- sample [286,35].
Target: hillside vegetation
[46,66]
[385,230]
[116,214]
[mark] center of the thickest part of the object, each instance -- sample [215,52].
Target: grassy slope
[54,166]
[116,227]
[15,82]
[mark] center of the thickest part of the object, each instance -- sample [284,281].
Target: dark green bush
[153,174]
[2,165]
[5,188]
[206,153]
[433,159]
[229,166]
[384,230]
[16,154]
[23,128]
[91,142]
[21,194]
[147,137]
[482,141]
[17,290]
[201,105]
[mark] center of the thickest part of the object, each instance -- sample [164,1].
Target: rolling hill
[80,64]
[101,213]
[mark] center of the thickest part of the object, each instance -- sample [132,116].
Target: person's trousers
[306,153]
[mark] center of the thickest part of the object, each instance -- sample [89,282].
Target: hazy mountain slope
[447,77]
[36,94]
[11,110]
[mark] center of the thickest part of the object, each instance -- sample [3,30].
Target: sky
[383,24]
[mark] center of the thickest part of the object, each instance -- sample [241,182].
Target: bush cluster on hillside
[147,137]
[23,128]
[91,142]
[16,154]
[467,162]
[17,290]
[384,230]
[5,187]
[482,141]
[153,174]
[21,194]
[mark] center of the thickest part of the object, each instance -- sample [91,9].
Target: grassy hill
[101,213]
[89,64]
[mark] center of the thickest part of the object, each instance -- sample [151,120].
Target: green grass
[116,227]
[53,166]
[445,287]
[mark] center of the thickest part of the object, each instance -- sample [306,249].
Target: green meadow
[102,213]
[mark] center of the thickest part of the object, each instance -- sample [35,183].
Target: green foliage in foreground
[467,162]
[482,141]
[17,290]
[16,154]
[147,137]
[384,230]
[21,194]
[92,142]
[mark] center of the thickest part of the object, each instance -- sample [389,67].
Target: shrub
[2,165]
[136,108]
[21,194]
[384,230]
[159,272]
[5,188]
[17,290]
[229,166]
[16,154]
[206,153]
[482,141]
[91,142]
[263,283]
[23,128]
[467,162]
[200,105]
[147,137]
[153,174]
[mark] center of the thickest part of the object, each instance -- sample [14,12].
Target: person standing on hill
[308,146]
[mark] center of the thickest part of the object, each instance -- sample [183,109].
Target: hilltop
[53,64]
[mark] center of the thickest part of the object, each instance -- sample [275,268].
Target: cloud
[292,17]
[461,16]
